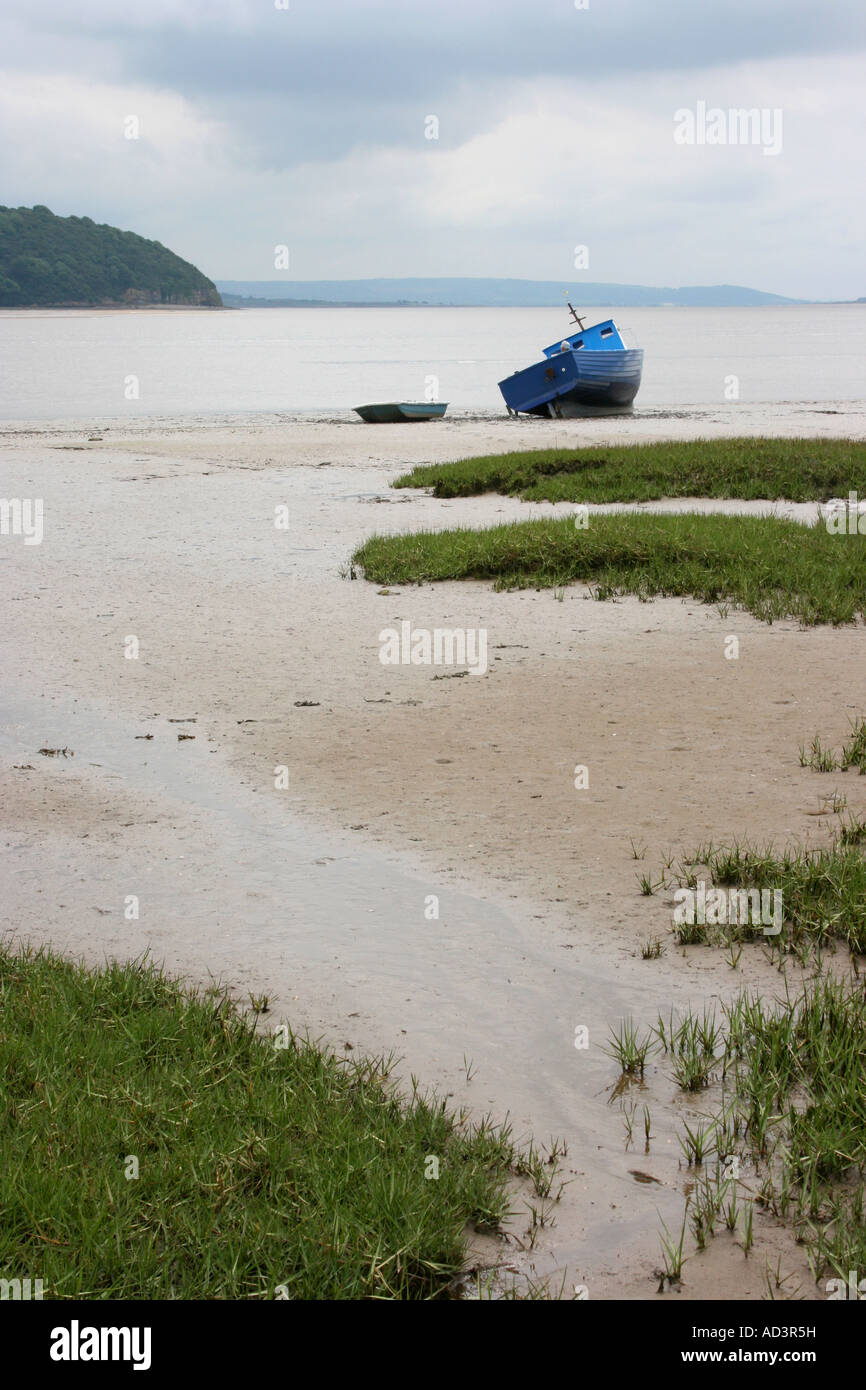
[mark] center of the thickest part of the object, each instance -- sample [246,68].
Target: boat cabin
[598,338]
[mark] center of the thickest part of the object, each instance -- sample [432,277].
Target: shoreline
[476,430]
[113,307]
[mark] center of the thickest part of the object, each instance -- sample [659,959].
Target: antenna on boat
[575,315]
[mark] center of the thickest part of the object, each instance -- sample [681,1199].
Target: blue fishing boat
[590,368]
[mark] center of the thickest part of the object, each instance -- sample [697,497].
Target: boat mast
[574,314]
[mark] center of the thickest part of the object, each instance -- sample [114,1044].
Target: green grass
[789,1132]
[785,1126]
[788,1128]
[798,470]
[774,568]
[629,1048]
[258,1166]
[823,890]
[820,758]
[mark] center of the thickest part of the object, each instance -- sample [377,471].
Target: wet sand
[401,787]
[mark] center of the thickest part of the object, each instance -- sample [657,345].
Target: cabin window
[607,332]
[578,343]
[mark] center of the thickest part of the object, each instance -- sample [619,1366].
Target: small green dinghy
[394,412]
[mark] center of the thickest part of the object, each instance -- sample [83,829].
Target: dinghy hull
[396,412]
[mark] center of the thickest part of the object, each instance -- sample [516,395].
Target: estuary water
[81,364]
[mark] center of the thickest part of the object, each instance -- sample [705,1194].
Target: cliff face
[72,261]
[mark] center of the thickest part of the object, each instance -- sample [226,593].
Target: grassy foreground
[774,568]
[798,470]
[154,1146]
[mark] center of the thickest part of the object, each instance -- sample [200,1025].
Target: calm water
[66,364]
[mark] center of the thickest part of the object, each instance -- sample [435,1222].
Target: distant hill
[245,301]
[73,261]
[482,293]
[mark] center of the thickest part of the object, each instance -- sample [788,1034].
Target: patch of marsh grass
[791,1070]
[793,1108]
[775,569]
[798,470]
[823,891]
[156,1146]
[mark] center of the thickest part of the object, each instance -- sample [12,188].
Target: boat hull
[610,378]
[396,412]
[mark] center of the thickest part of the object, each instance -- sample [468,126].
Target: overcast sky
[307,127]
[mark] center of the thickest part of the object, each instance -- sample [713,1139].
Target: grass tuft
[820,758]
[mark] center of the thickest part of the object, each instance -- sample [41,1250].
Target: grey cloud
[326,76]
[360,50]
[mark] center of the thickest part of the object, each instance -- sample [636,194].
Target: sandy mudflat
[401,786]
